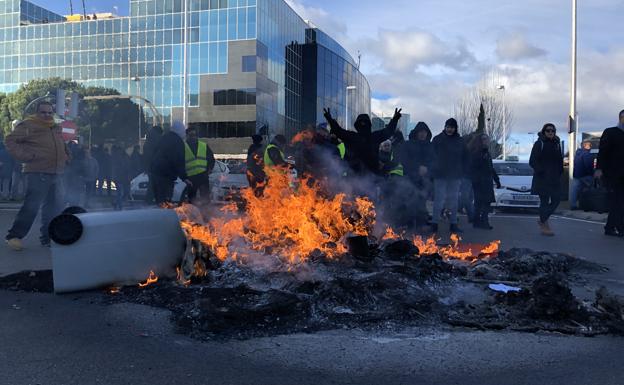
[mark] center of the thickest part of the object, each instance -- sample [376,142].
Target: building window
[240,97]
[249,64]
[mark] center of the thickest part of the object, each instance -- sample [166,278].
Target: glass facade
[143,54]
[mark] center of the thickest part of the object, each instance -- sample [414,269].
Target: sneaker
[15,244]
[454,229]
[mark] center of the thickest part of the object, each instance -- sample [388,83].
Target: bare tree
[496,113]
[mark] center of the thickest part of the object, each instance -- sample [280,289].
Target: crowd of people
[53,175]
[451,171]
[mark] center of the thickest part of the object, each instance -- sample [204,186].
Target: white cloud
[334,27]
[407,51]
[515,47]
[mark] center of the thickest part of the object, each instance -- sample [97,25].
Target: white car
[516,178]
[138,185]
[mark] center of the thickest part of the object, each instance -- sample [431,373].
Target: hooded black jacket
[450,156]
[611,154]
[168,160]
[547,163]
[415,153]
[363,146]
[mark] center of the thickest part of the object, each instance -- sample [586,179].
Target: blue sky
[62,6]
[426,55]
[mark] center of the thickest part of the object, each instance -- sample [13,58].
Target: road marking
[554,216]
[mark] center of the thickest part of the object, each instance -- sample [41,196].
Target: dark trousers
[616,205]
[163,188]
[120,195]
[548,204]
[43,191]
[89,191]
[201,184]
[482,203]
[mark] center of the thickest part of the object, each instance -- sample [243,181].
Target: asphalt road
[48,339]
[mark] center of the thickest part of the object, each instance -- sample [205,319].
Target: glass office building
[247,63]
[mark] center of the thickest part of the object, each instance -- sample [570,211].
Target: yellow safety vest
[195,165]
[398,170]
[342,149]
[268,162]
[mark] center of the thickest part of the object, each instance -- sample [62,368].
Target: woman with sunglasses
[547,163]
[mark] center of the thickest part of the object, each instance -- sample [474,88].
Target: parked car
[516,178]
[138,185]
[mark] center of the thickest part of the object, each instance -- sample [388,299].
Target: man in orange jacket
[37,143]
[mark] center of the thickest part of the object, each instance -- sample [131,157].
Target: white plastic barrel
[94,250]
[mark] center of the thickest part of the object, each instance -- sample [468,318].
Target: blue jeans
[577,185]
[445,195]
[43,191]
[466,198]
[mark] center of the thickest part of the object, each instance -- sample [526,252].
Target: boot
[476,220]
[485,222]
[454,229]
[545,228]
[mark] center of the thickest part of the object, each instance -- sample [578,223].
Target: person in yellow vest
[199,164]
[274,152]
[389,166]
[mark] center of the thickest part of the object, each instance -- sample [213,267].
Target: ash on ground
[393,287]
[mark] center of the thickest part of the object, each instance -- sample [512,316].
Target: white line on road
[554,216]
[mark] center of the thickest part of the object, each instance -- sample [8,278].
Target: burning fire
[292,222]
[285,221]
[302,136]
[455,250]
[152,278]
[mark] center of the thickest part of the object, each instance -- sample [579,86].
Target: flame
[152,278]
[114,290]
[180,277]
[492,248]
[302,136]
[455,250]
[390,234]
[286,222]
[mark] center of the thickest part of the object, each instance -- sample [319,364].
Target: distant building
[252,66]
[404,124]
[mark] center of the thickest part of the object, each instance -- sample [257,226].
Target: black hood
[543,137]
[421,126]
[363,124]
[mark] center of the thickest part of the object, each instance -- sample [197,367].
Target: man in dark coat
[6,171]
[547,163]
[583,172]
[450,158]
[362,146]
[121,175]
[168,163]
[255,165]
[416,156]
[149,147]
[610,166]
[482,173]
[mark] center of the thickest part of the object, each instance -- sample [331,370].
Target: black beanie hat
[451,123]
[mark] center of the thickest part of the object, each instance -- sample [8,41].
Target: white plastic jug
[94,250]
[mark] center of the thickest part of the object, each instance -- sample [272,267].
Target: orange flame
[287,222]
[152,278]
[302,136]
[455,250]
[114,290]
[390,234]
[180,277]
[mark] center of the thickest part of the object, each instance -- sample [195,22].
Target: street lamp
[349,88]
[572,122]
[502,88]
[138,82]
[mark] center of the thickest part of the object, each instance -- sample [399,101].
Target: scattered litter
[501,287]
